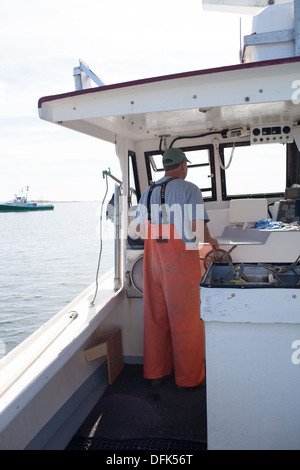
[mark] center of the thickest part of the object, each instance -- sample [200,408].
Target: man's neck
[172,174]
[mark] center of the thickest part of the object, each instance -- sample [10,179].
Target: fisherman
[172,219]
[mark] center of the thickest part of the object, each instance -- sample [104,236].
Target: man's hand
[208,238]
[214,242]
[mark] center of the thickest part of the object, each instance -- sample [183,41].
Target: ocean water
[47,259]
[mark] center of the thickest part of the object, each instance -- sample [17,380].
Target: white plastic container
[272,19]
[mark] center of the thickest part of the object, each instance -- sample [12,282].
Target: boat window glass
[254,170]
[200,169]
[134,187]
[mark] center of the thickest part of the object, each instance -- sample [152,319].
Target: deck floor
[132,414]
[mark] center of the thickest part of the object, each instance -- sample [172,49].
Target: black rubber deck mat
[92,443]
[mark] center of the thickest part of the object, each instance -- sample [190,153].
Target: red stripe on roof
[228,68]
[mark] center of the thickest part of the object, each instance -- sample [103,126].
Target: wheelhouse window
[134,192]
[253,170]
[200,169]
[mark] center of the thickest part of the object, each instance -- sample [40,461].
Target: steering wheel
[218,256]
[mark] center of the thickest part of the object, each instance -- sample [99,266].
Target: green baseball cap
[175,155]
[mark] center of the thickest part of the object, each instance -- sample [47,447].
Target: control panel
[274,133]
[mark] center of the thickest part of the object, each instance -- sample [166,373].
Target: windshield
[200,169]
[253,170]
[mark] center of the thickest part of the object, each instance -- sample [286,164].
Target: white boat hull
[49,385]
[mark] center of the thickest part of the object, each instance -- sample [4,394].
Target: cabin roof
[197,101]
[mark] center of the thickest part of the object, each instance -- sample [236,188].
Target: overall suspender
[163,209]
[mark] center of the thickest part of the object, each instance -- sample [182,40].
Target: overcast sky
[42,40]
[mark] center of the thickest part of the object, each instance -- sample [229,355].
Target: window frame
[211,164]
[226,197]
[133,165]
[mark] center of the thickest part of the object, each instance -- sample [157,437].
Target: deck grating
[133,415]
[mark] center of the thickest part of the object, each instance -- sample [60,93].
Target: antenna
[83,77]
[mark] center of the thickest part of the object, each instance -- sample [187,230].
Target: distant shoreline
[58,202]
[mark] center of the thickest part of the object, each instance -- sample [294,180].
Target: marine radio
[274,133]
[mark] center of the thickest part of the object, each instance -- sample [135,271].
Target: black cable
[222,133]
[197,136]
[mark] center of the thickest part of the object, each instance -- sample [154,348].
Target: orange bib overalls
[173,330]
